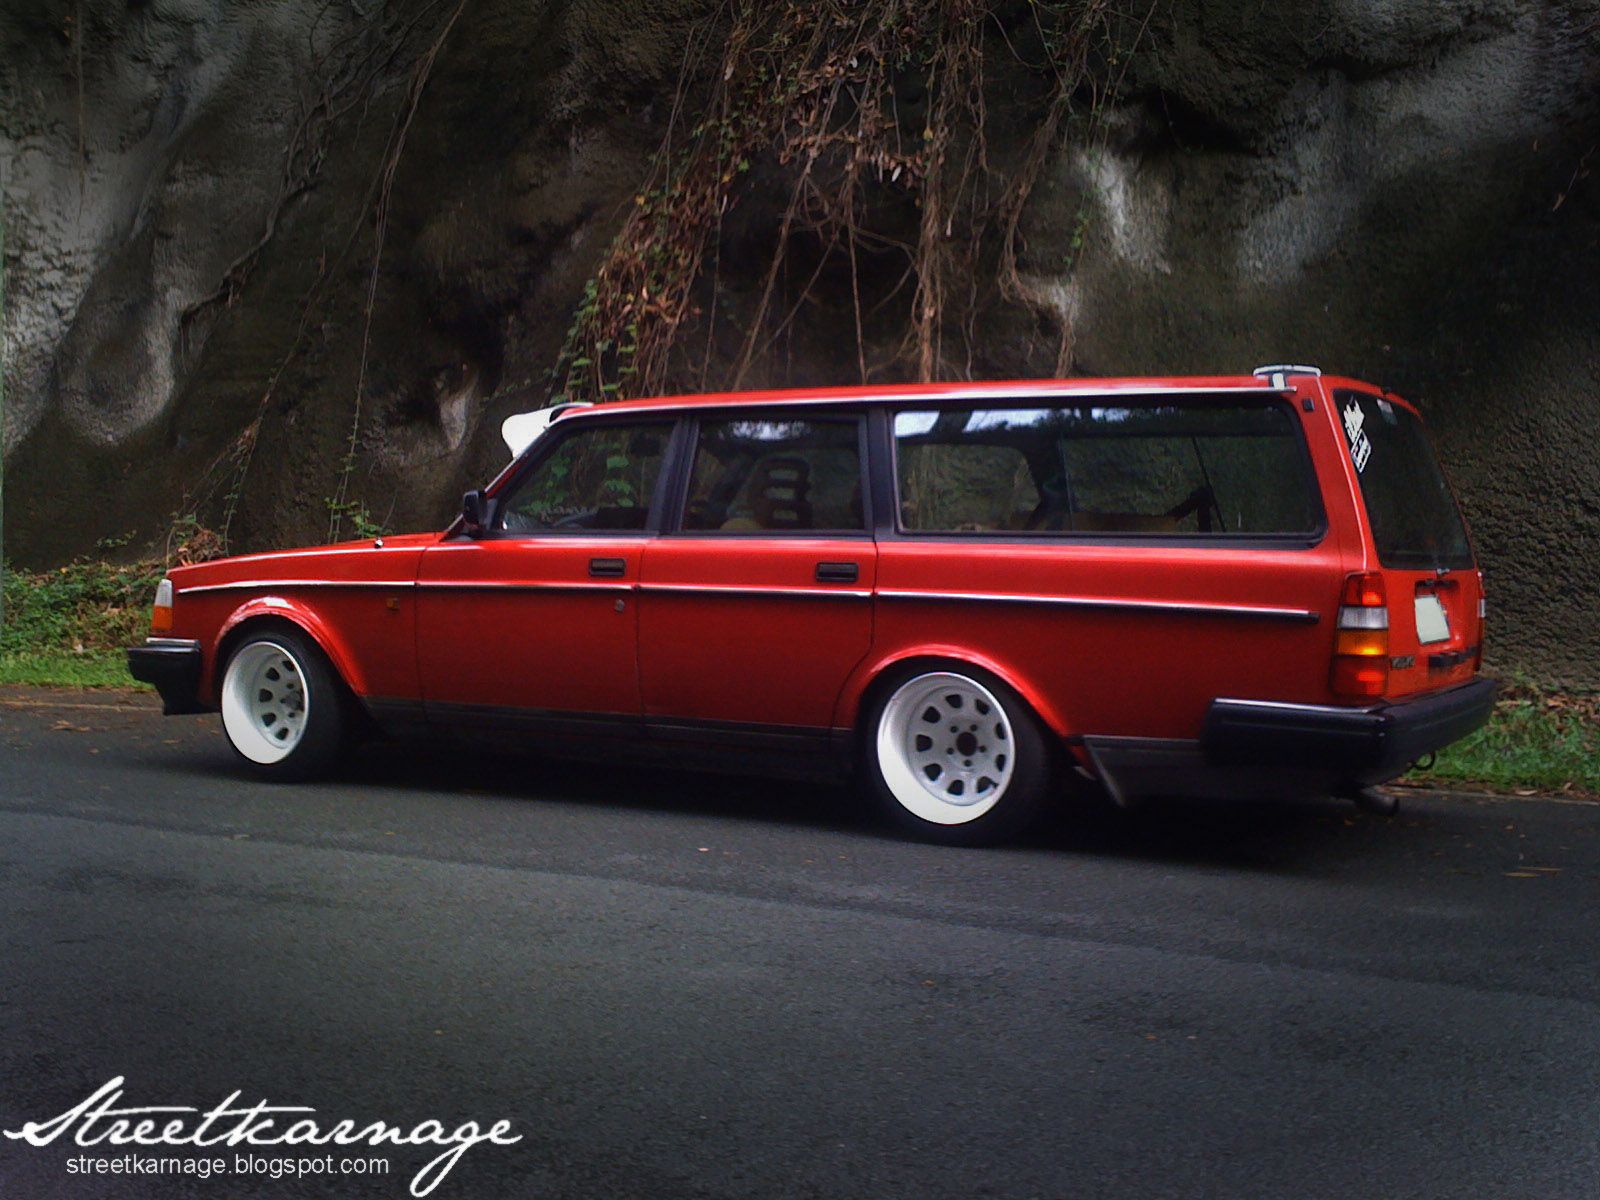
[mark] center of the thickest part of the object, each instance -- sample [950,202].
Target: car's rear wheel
[283,707]
[956,756]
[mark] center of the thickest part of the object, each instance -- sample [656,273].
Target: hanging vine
[814,88]
[815,93]
[355,74]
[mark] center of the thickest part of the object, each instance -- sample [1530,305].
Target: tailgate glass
[1415,522]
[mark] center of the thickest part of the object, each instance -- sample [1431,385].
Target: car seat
[780,493]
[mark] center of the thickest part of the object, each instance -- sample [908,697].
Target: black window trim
[891,529]
[679,499]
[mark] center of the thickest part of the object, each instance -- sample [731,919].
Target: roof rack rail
[1279,371]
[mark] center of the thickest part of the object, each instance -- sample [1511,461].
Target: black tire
[891,737]
[258,667]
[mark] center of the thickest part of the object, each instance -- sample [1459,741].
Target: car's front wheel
[283,708]
[956,756]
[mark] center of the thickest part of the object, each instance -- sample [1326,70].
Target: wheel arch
[273,612]
[867,684]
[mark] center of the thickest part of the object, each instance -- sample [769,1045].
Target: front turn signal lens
[161,611]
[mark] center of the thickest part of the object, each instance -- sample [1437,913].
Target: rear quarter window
[1199,467]
[966,486]
[1416,524]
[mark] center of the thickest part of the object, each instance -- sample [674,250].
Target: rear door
[1430,577]
[756,604]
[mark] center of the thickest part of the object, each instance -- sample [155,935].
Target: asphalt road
[691,986]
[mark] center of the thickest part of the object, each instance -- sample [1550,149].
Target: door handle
[838,572]
[608,568]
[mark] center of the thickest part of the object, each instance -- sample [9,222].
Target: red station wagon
[963,593]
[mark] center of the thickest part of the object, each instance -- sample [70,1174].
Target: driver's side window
[597,478]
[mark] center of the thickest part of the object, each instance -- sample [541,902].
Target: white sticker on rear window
[1360,445]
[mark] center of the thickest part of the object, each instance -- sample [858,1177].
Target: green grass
[69,627]
[97,669]
[1533,740]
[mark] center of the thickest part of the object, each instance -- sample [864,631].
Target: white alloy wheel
[945,748]
[265,702]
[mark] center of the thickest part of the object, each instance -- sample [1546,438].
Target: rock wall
[127,402]
[1395,190]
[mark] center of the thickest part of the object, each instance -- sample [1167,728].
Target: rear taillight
[161,611]
[1361,638]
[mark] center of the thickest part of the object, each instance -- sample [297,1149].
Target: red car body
[1156,659]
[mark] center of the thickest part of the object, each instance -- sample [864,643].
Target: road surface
[691,986]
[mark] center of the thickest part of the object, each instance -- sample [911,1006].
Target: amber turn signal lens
[161,611]
[1362,643]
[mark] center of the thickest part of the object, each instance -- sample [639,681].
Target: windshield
[1414,518]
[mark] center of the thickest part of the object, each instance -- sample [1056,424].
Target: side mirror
[477,513]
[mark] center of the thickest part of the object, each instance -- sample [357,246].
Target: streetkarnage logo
[95,1122]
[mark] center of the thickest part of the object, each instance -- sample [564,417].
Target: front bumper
[1360,745]
[172,665]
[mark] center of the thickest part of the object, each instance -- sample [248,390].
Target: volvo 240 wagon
[963,594]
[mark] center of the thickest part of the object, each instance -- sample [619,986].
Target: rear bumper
[1261,750]
[172,666]
[1363,745]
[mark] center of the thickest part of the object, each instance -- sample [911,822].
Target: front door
[536,618]
[756,606]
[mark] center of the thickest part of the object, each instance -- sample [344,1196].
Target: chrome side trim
[821,592]
[320,552]
[1299,615]
[262,585]
[495,585]
[473,585]
[1258,612]
[1337,710]
[171,643]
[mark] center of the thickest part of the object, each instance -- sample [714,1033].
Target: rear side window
[1414,518]
[964,486]
[1170,467]
[752,475]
